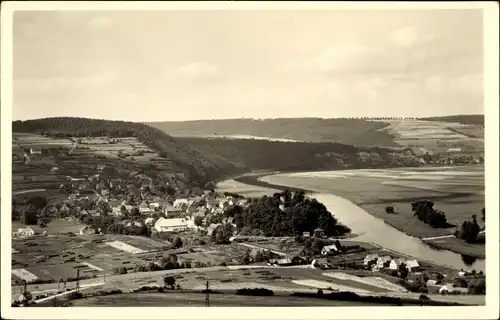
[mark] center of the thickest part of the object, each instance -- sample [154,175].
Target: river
[368,227]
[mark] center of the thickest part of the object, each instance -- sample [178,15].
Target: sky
[188,65]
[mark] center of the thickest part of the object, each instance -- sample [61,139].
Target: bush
[254,292]
[389,209]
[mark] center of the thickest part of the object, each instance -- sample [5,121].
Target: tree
[169,282]
[177,242]
[222,234]
[403,271]
[134,212]
[198,221]
[29,215]
[38,202]
[483,211]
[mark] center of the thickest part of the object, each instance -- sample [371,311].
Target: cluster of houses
[380,262]
[28,232]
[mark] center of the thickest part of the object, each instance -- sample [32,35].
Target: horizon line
[262,119]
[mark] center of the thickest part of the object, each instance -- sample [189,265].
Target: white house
[370,257]
[154,205]
[169,225]
[180,202]
[394,265]
[146,210]
[149,221]
[431,282]
[329,249]
[24,232]
[172,211]
[87,231]
[447,288]
[412,265]
[461,273]
[381,261]
[223,204]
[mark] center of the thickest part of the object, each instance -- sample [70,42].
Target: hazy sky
[167,66]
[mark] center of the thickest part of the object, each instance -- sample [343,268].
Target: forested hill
[196,164]
[358,132]
[463,119]
[205,159]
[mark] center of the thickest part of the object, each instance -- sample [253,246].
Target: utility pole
[207,295]
[77,280]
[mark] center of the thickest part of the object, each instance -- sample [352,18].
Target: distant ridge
[358,132]
[477,119]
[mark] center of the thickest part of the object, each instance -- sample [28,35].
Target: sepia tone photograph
[248,157]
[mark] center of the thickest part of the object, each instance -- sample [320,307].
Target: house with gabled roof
[382,261]
[395,263]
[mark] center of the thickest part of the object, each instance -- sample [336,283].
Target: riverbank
[405,222]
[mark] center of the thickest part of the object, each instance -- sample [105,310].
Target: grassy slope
[349,131]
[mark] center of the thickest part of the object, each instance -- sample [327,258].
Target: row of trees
[469,230]
[425,212]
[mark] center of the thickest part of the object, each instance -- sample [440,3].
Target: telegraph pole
[207,295]
[77,280]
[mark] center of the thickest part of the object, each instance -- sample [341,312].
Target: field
[459,192]
[281,280]
[55,257]
[198,300]
[437,136]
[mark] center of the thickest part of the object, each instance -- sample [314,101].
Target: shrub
[254,292]
[389,209]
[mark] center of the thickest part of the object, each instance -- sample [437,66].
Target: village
[116,227]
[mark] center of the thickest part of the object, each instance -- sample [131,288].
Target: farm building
[382,261]
[412,265]
[85,231]
[449,288]
[320,263]
[431,282]
[223,204]
[169,225]
[395,263]
[318,232]
[454,150]
[149,221]
[370,257]
[172,211]
[281,262]
[145,209]
[26,232]
[180,202]
[331,249]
